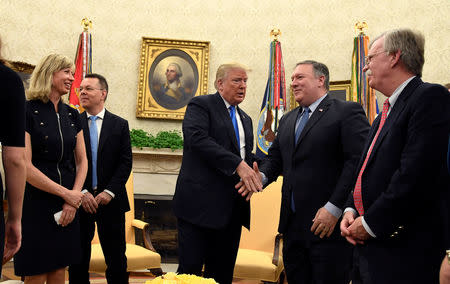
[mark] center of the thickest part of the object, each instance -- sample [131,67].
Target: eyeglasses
[88,89]
[369,58]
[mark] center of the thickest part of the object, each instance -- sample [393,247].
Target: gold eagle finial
[360,26]
[87,24]
[275,33]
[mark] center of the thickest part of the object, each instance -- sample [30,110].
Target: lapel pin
[320,109]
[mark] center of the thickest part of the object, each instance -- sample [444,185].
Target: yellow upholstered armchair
[260,250]
[138,257]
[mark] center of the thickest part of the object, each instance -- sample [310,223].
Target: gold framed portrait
[171,73]
[23,69]
[338,89]
[292,103]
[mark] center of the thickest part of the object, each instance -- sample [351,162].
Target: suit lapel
[87,140]
[370,137]
[246,125]
[395,112]
[290,128]
[225,116]
[315,117]
[86,134]
[104,133]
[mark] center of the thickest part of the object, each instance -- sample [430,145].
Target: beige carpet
[135,277]
[139,280]
[133,280]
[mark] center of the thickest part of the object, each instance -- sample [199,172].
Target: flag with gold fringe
[83,66]
[360,90]
[274,101]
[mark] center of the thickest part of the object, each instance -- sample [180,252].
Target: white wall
[238,31]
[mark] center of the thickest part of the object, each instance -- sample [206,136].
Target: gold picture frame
[160,95]
[23,69]
[292,103]
[340,89]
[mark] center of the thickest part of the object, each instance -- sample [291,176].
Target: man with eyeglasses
[394,215]
[105,200]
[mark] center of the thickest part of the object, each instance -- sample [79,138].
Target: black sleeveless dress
[47,246]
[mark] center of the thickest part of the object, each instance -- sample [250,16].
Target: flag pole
[274,100]
[83,63]
[360,90]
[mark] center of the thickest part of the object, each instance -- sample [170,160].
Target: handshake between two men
[251,182]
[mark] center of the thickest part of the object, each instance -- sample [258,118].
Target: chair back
[129,216]
[265,214]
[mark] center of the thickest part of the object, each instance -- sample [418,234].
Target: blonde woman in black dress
[56,170]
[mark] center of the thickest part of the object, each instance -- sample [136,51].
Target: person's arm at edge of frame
[15,176]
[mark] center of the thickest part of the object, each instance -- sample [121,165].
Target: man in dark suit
[316,150]
[395,212]
[105,200]
[218,140]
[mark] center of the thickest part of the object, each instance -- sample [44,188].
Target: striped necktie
[357,194]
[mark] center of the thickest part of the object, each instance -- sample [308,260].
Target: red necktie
[357,197]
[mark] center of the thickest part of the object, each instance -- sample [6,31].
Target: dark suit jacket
[205,193]
[402,186]
[320,167]
[114,160]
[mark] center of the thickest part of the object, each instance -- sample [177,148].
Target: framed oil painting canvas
[171,73]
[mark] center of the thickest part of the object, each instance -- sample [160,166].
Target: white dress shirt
[99,123]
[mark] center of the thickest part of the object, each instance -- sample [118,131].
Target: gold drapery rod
[86,23]
[275,33]
[360,26]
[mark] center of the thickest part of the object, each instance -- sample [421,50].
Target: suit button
[46,137]
[36,112]
[41,124]
[72,125]
[70,114]
[400,227]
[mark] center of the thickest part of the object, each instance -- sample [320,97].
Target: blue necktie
[93,132]
[301,122]
[233,119]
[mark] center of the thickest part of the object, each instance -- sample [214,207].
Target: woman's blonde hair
[42,76]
